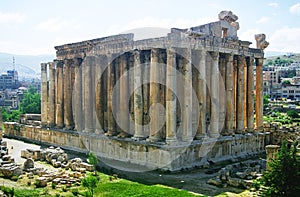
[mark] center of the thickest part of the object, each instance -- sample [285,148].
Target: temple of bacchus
[169,102]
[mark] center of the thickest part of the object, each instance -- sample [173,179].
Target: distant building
[9,80]
[291,91]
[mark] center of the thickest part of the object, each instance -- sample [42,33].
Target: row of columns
[79,95]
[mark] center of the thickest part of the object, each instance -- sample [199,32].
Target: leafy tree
[10,115]
[286,82]
[284,176]
[93,160]
[31,102]
[90,182]
[292,114]
[266,100]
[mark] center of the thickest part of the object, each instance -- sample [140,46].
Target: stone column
[188,104]
[68,115]
[138,98]
[240,95]
[44,96]
[124,105]
[154,96]
[77,94]
[235,70]
[88,105]
[250,99]
[111,129]
[171,98]
[98,115]
[271,151]
[229,119]
[259,94]
[201,94]
[222,93]
[51,98]
[59,95]
[214,89]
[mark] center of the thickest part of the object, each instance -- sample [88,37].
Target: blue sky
[35,26]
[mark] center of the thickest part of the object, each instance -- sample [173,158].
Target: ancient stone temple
[169,102]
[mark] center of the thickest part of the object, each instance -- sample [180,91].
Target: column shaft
[171,97]
[44,97]
[201,94]
[229,121]
[188,104]
[68,114]
[222,93]
[154,97]
[78,117]
[124,101]
[240,95]
[259,94]
[59,95]
[110,83]
[88,105]
[138,97]
[250,99]
[51,98]
[214,89]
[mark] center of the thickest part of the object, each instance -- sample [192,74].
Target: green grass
[120,188]
[107,186]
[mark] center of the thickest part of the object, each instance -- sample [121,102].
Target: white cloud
[57,24]
[248,35]
[273,4]
[295,9]
[263,19]
[285,39]
[11,17]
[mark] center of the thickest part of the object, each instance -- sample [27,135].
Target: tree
[90,182]
[93,160]
[31,102]
[10,115]
[286,82]
[266,100]
[284,176]
[292,114]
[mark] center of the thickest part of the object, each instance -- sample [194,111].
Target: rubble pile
[239,175]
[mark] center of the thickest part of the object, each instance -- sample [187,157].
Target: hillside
[28,66]
[286,58]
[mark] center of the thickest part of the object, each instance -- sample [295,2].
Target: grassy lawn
[107,186]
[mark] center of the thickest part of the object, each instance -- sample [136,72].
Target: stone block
[28,164]
[41,182]
[87,166]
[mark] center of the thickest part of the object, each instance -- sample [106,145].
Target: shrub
[292,114]
[90,182]
[53,185]
[75,192]
[284,175]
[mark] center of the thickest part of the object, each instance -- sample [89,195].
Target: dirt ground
[192,180]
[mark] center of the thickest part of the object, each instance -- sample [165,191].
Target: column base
[250,130]
[240,131]
[69,128]
[172,141]
[88,130]
[153,139]
[122,134]
[214,135]
[187,139]
[200,136]
[111,133]
[138,138]
[228,132]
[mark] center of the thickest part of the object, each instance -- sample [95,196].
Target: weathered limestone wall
[147,155]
